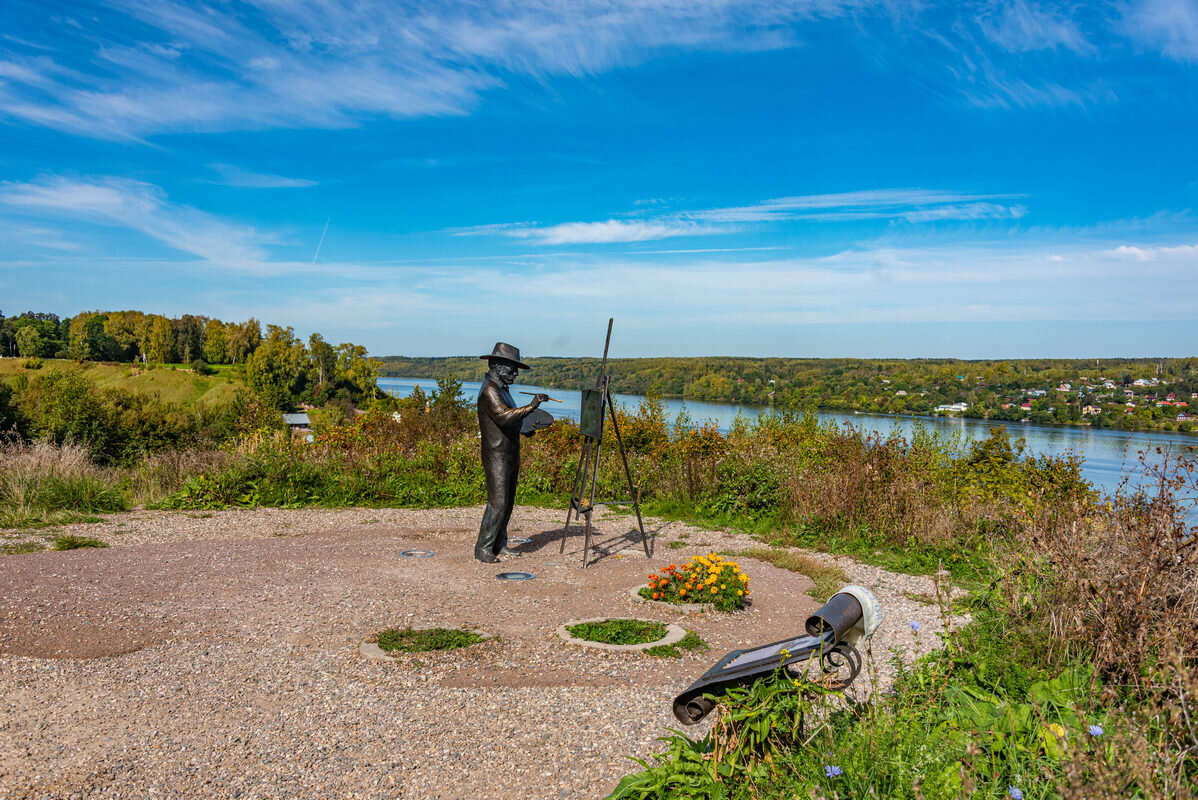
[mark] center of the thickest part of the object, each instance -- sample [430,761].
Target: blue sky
[806,178]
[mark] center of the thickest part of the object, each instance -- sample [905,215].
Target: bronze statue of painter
[500,422]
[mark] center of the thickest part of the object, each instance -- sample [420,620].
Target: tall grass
[44,484]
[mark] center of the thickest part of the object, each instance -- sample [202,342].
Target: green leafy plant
[619,631]
[408,640]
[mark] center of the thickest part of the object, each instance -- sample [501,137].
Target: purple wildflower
[1015,793]
[914,625]
[1096,730]
[833,772]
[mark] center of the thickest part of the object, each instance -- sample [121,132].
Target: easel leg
[586,546]
[576,493]
[636,502]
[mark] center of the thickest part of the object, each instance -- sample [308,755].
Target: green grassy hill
[171,385]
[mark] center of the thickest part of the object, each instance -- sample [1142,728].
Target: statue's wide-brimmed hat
[505,352]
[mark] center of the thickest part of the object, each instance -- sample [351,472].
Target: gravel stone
[216,654]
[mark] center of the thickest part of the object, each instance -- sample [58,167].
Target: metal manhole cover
[518,541]
[554,563]
[416,553]
[515,576]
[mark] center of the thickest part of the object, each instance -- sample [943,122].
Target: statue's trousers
[502,469]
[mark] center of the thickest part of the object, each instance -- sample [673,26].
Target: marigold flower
[683,593]
[739,593]
[656,595]
[722,586]
[713,590]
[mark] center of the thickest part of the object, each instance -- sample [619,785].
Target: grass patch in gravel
[691,643]
[408,640]
[17,548]
[619,631]
[828,578]
[69,541]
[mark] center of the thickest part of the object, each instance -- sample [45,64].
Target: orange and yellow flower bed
[704,579]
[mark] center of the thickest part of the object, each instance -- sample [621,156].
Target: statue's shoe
[507,551]
[488,559]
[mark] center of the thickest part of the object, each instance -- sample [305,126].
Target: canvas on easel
[590,423]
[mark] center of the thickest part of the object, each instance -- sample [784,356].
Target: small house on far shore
[298,423]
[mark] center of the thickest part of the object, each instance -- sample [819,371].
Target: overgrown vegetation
[408,640]
[619,631]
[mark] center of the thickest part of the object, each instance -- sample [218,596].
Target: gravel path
[214,654]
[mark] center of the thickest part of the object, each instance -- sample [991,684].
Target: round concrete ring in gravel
[688,608]
[372,652]
[673,635]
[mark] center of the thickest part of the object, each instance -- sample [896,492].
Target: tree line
[275,365]
[273,371]
[899,386]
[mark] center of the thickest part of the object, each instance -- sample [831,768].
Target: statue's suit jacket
[499,429]
[499,424]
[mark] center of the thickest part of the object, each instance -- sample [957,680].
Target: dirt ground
[217,656]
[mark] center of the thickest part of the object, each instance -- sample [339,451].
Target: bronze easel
[591,424]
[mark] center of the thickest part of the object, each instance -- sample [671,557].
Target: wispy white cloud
[1136,253]
[966,211]
[907,205]
[312,63]
[611,231]
[685,305]
[140,207]
[1166,26]
[1021,26]
[143,67]
[237,176]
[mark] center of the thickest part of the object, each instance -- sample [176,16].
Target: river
[1111,456]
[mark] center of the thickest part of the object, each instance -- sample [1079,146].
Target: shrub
[33,362]
[703,579]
